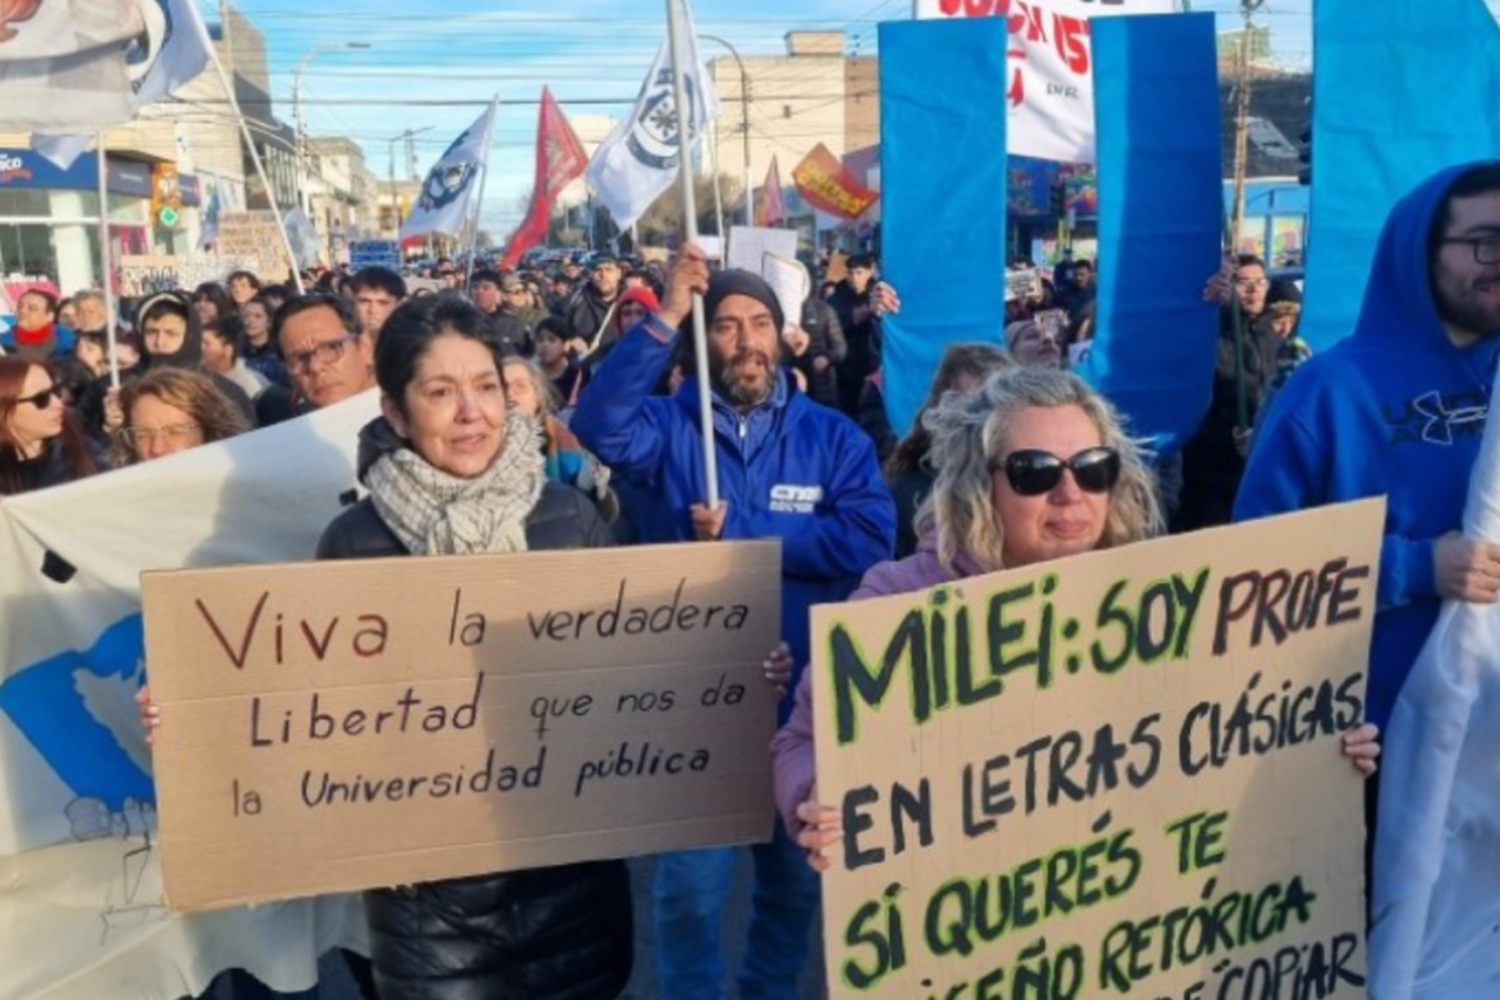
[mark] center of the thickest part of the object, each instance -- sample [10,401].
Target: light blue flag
[943,176]
[1397,96]
[1156,101]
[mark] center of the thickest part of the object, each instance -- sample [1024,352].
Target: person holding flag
[791,469]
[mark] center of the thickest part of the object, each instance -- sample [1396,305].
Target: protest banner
[1119,773]
[147,274]
[1050,87]
[1022,283]
[80,861]
[375,253]
[255,235]
[338,726]
[827,185]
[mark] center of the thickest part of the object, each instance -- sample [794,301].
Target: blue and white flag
[1396,98]
[639,159]
[444,203]
[63,64]
[172,51]
[81,896]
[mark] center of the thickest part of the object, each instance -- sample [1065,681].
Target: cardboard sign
[147,274]
[255,235]
[1022,283]
[1117,774]
[375,253]
[341,725]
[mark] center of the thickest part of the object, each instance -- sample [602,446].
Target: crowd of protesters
[578,401]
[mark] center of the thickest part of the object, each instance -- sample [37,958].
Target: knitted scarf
[434,513]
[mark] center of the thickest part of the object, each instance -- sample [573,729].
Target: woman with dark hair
[452,470]
[171,410]
[40,443]
[909,471]
[212,302]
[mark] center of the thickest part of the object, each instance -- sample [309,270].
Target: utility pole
[1242,114]
[391,168]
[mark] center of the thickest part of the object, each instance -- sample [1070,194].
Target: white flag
[638,161]
[172,50]
[81,897]
[443,206]
[63,64]
[1051,87]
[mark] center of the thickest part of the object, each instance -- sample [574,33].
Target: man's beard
[1467,316]
[737,391]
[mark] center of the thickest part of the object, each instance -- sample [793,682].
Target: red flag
[560,160]
[827,185]
[771,210]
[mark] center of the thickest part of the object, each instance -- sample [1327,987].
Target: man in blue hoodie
[788,468]
[1398,409]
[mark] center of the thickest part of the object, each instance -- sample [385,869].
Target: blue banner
[1397,97]
[1156,101]
[943,177]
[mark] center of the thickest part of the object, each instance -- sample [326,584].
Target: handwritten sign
[1118,774]
[254,235]
[147,274]
[341,725]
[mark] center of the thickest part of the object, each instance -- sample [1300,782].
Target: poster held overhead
[1049,86]
[943,245]
[1160,201]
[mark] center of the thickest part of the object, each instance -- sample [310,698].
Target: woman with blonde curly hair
[1031,467]
[168,410]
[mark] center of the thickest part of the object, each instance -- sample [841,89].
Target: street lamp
[391,167]
[744,125]
[301,115]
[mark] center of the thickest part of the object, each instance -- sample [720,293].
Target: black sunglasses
[1032,472]
[41,400]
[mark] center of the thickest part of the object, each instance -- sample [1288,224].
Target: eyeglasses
[43,399]
[1032,472]
[1486,248]
[327,353]
[1253,282]
[145,437]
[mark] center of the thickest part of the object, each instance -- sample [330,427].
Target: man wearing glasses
[1213,460]
[326,355]
[1398,409]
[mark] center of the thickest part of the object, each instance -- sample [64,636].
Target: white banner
[638,161]
[1051,92]
[80,883]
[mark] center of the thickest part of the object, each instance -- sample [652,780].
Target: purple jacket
[792,750]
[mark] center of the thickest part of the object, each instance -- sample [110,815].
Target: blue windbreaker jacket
[789,469]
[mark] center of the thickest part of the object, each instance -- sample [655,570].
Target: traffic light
[166,196]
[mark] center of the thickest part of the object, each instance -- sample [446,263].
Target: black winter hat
[736,282]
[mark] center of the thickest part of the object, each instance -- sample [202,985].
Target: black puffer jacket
[562,933]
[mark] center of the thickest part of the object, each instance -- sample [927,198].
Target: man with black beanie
[788,468]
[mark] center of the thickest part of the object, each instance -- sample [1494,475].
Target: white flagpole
[685,116]
[260,168]
[106,273]
[712,161]
[489,133]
